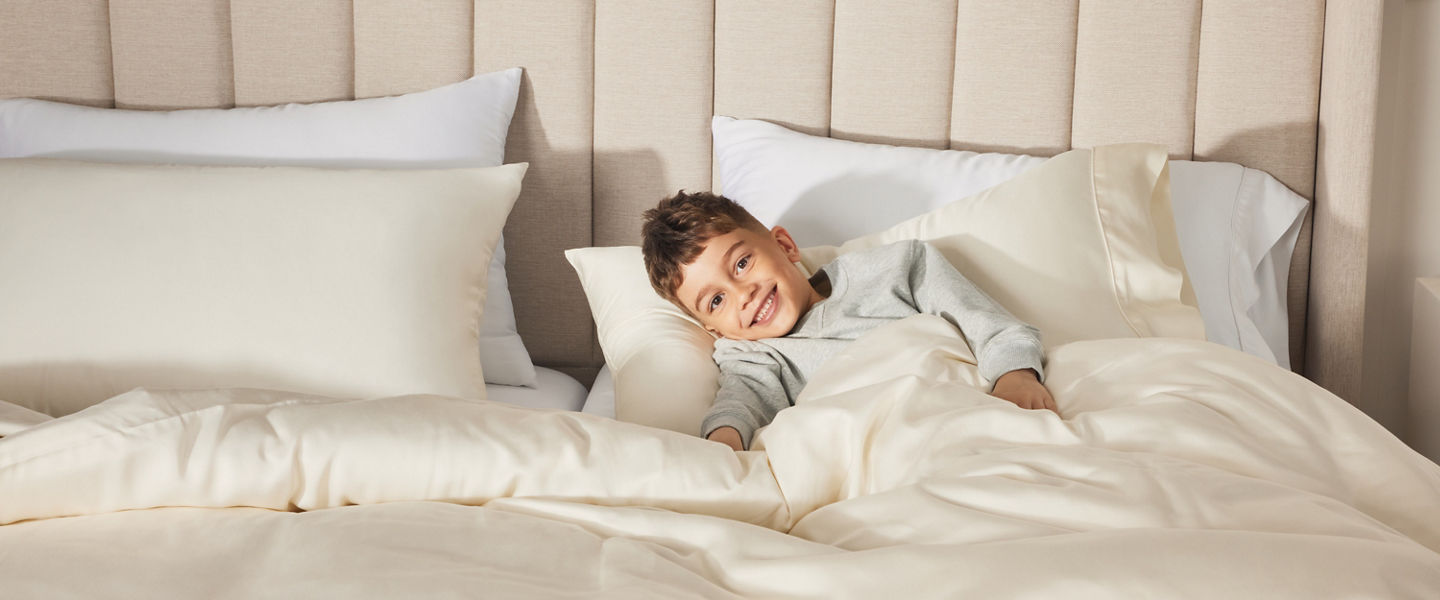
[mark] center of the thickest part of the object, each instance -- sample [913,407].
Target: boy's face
[743,285]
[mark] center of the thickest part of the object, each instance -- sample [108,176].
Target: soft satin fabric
[1174,468]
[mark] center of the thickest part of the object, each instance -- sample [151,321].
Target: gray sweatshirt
[867,289]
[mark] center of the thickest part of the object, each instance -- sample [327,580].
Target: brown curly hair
[675,232]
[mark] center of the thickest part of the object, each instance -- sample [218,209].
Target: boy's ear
[787,243]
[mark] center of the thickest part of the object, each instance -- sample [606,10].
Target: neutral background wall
[1405,222]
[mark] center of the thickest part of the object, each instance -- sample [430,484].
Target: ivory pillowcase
[350,283]
[464,124]
[1082,247]
[658,356]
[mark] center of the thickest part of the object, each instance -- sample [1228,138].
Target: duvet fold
[282,451]
[1169,461]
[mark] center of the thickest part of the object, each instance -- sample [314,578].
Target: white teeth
[764,312]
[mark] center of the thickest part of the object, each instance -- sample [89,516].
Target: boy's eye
[744,262]
[715,302]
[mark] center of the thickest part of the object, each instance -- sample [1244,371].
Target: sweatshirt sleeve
[1001,342]
[751,391]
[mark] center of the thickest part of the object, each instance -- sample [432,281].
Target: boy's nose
[747,293]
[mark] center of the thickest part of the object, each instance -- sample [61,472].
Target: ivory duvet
[1175,468]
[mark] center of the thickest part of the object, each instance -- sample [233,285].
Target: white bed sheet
[553,389]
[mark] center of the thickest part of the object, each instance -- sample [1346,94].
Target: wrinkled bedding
[1175,468]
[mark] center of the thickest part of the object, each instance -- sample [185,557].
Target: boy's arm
[1001,342]
[751,392]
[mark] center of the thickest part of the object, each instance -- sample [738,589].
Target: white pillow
[459,125]
[1082,247]
[355,283]
[1237,226]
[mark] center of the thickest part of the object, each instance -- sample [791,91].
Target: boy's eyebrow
[724,259]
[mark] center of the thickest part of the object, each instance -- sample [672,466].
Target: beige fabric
[403,46]
[15,418]
[1156,478]
[172,53]
[1344,183]
[1424,378]
[1135,74]
[653,101]
[1007,100]
[350,283]
[772,59]
[1297,293]
[889,92]
[1259,85]
[552,130]
[1104,263]
[660,357]
[289,52]
[56,51]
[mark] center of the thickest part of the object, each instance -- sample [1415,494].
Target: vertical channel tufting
[404,46]
[1345,182]
[1257,91]
[288,51]
[172,53]
[892,72]
[1014,76]
[57,51]
[1135,66]
[653,100]
[553,131]
[772,62]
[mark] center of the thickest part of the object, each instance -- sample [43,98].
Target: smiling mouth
[767,309]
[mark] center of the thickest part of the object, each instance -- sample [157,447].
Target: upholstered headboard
[615,106]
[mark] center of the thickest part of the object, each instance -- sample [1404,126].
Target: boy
[714,260]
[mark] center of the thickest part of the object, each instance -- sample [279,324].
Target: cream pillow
[1082,247]
[658,355]
[350,283]
[463,124]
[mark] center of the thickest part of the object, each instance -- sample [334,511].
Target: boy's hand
[1022,388]
[728,436]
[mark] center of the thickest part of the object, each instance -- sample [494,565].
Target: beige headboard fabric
[615,106]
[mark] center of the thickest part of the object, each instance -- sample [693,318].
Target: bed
[1175,467]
